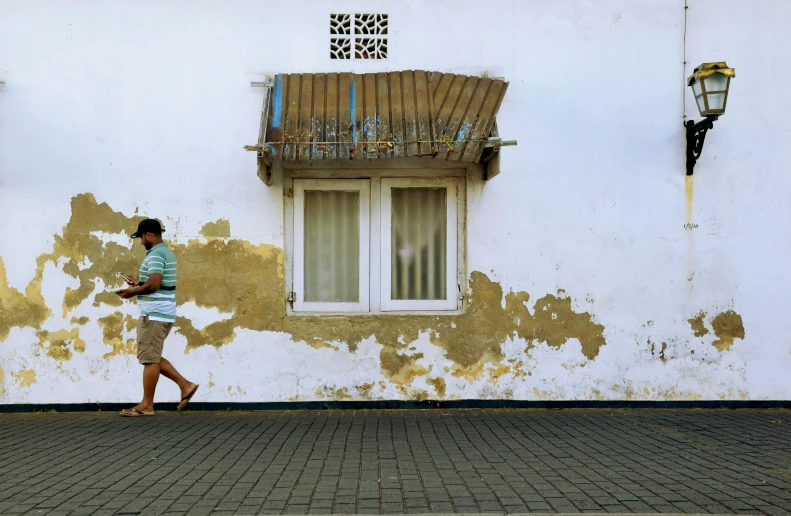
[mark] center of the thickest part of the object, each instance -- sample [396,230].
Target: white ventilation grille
[369,34]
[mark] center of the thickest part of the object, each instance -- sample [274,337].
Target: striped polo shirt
[159,305]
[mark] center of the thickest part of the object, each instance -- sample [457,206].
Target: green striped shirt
[159,305]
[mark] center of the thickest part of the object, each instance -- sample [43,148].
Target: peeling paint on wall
[698,328]
[59,344]
[25,377]
[727,327]
[438,384]
[17,309]
[219,229]
[112,333]
[248,281]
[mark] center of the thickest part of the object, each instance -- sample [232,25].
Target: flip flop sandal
[133,412]
[186,399]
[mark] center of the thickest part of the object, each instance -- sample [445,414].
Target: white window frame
[412,176]
[451,269]
[363,186]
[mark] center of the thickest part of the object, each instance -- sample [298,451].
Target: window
[376,245]
[369,33]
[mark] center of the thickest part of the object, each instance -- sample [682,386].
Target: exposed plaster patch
[2,382]
[59,344]
[25,377]
[112,334]
[365,390]
[727,327]
[20,310]
[439,385]
[219,229]
[698,328]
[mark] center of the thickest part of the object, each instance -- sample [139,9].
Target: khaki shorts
[151,339]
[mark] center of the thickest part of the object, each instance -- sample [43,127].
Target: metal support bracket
[696,134]
[264,159]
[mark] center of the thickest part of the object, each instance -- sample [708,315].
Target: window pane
[419,236]
[332,246]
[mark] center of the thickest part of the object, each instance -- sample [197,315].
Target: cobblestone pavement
[464,461]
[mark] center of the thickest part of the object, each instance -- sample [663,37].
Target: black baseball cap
[148,226]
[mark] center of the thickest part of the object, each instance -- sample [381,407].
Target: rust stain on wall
[219,229]
[698,328]
[25,377]
[727,327]
[248,281]
[112,333]
[59,344]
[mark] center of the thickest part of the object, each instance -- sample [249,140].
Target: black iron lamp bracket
[696,133]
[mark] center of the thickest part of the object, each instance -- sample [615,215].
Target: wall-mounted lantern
[709,83]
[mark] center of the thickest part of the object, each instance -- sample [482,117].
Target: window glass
[419,244]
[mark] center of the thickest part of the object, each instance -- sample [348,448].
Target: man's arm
[149,287]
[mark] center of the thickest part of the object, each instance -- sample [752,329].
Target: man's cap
[148,226]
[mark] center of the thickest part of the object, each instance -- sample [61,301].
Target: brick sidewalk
[464,461]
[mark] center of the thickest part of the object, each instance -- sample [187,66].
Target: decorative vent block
[369,33]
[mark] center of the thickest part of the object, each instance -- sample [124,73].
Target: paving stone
[490,460]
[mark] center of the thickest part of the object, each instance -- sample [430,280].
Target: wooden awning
[312,117]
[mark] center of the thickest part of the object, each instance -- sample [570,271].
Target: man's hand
[133,280]
[126,293]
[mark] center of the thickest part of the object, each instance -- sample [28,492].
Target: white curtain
[419,235]
[332,246]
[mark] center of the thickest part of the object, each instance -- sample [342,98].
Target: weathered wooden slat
[441,86]
[346,105]
[410,113]
[482,125]
[368,117]
[397,111]
[305,116]
[356,99]
[291,108]
[424,113]
[453,110]
[383,115]
[433,113]
[470,118]
[331,116]
[317,122]
[496,101]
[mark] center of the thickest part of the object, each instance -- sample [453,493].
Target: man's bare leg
[168,371]
[150,379]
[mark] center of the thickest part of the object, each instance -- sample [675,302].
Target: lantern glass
[716,102]
[715,82]
[695,87]
[701,104]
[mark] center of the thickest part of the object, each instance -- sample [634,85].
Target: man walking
[156,291]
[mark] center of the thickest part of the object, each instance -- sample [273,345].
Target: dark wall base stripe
[406,405]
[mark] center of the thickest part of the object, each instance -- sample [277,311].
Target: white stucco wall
[146,105]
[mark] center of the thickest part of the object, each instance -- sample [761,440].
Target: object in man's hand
[126,278]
